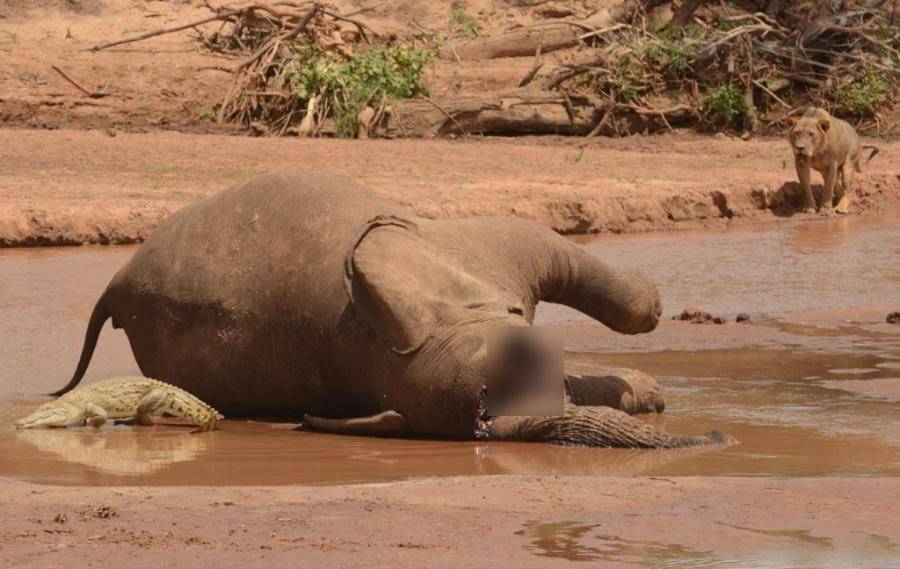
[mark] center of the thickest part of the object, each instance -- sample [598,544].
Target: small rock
[696,316]
[893,317]
[60,518]
[743,317]
[102,512]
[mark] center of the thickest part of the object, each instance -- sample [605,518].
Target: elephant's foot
[388,423]
[624,389]
[596,427]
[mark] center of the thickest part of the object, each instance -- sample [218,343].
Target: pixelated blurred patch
[525,371]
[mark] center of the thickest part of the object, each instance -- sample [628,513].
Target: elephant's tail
[98,318]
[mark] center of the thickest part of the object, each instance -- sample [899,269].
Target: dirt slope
[76,186]
[169,81]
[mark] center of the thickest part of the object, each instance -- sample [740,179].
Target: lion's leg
[831,176]
[802,165]
[848,172]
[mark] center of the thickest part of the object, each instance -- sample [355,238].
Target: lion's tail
[875,150]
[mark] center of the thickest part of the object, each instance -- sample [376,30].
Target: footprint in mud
[569,540]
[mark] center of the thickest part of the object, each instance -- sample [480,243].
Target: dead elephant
[299,293]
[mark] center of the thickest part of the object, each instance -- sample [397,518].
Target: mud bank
[75,187]
[516,521]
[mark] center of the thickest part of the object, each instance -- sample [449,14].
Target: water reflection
[585,542]
[123,453]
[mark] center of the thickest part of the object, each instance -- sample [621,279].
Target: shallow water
[577,541]
[797,411]
[773,269]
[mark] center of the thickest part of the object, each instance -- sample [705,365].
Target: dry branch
[219,16]
[301,25]
[91,94]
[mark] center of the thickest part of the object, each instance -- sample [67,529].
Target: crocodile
[122,398]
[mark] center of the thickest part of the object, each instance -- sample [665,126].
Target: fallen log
[512,112]
[551,36]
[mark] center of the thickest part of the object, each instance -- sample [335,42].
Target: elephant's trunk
[535,263]
[596,427]
[626,301]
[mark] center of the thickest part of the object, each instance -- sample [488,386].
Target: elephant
[305,294]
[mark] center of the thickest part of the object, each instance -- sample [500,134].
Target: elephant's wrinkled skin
[305,293]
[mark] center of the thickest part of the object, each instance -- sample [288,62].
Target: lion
[832,147]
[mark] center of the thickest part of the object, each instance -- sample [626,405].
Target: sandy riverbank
[461,522]
[73,186]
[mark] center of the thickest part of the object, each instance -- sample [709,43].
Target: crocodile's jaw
[51,415]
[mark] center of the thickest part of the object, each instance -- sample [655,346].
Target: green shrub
[461,23]
[673,56]
[864,94]
[725,103]
[381,74]
[629,79]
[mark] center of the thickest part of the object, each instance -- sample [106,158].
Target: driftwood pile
[268,38]
[648,65]
[655,64]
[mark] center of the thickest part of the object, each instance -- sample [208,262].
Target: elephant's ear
[404,287]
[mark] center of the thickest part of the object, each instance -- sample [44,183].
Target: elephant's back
[244,289]
[256,246]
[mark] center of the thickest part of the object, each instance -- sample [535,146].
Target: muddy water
[811,409]
[578,541]
[828,263]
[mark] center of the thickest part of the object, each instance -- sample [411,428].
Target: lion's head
[809,133]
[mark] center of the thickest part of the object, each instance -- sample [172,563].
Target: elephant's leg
[383,424]
[627,390]
[596,427]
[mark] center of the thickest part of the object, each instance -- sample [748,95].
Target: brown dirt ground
[77,186]
[458,522]
[169,81]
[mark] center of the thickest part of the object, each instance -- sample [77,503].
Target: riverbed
[810,387]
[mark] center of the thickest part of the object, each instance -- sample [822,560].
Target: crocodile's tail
[98,318]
